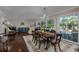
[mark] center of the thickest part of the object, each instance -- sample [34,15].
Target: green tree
[64,23]
[73,23]
[43,26]
[50,24]
[69,22]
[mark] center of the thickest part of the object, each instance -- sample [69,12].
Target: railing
[72,36]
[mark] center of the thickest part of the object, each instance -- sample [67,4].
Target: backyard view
[50,24]
[45,25]
[69,28]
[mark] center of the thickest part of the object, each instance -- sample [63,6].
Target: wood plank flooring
[16,44]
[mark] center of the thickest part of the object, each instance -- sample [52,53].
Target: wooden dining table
[47,35]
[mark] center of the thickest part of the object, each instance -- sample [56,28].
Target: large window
[50,24]
[69,28]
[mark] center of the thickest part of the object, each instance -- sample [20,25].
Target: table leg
[47,44]
[3,47]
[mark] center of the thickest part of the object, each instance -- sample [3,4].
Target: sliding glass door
[69,28]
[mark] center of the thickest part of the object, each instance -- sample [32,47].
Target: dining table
[47,35]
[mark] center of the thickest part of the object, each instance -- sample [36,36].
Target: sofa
[23,29]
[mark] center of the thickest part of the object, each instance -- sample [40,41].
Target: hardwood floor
[16,44]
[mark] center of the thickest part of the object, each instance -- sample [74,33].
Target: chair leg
[55,48]
[36,43]
[3,47]
[39,44]
[47,44]
[32,39]
[59,47]
[44,43]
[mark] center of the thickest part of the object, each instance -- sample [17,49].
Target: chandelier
[44,17]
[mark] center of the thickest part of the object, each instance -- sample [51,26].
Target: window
[69,28]
[43,24]
[50,24]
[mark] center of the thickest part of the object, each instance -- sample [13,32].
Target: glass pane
[43,26]
[50,24]
[69,28]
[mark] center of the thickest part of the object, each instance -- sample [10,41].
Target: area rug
[28,39]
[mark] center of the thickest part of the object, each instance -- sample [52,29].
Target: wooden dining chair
[55,40]
[35,37]
[32,35]
[59,40]
[42,40]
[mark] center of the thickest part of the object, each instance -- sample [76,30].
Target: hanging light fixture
[44,14]
[43,17]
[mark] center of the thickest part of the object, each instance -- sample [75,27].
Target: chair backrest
[38,28]
[34,34]
[54,32]
[58,38]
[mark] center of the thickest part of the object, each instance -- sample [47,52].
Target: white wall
[2,27]
[2,19]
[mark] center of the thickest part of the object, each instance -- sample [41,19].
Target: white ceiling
[30,13]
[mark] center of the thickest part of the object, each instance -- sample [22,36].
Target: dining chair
[42,40]
[35,34]
[35,37]
[55,40]
[58,40]
[38,38]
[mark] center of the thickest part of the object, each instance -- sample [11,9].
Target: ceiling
[30,13]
